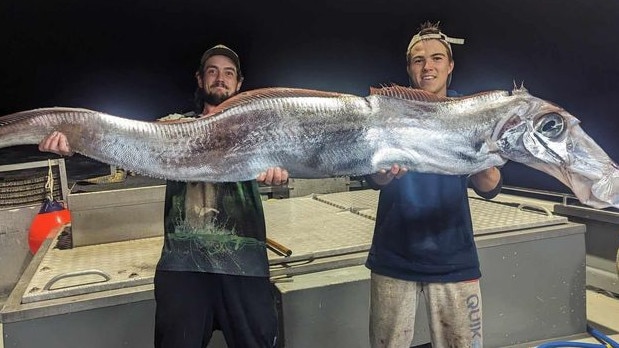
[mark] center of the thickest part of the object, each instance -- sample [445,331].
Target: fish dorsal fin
[408,93]
[29,114]
[274,92]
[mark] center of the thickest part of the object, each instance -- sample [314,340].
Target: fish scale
[317,134]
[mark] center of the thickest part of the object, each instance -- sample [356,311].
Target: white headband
[438,36]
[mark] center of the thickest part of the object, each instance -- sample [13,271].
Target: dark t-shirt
[423,230]
[215,228]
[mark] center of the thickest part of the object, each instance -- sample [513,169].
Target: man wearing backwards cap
[213,272]
[423,238]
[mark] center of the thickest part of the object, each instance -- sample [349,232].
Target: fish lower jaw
[606,189]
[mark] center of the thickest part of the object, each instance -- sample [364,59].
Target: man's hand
[273,176]
[56,143]
[487,179]
[383,177]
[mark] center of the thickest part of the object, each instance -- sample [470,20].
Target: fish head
[546,137]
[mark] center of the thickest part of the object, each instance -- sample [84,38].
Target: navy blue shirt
[424,231]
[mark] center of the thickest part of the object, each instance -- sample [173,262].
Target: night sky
[137,58]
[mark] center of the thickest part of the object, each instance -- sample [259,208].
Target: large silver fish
[317,134]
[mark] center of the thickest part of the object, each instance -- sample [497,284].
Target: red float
[52,216]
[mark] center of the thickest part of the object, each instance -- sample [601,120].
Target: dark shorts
[190,305]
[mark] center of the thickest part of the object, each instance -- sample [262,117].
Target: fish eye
[550,125]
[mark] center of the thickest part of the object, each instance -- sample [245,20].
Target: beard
[215,98]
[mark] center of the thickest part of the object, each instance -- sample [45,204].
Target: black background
[136,58]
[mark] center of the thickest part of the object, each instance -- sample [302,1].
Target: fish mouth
[607,188]
[599,189]
[595,176]
[588,171]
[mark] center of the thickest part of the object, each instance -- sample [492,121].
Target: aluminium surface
[42,164]
[314,229]
[117,211]
[601,239]
[488,216]
[85,269]
[305,187]
[602,242]
[304,225]
[17,212]
[533,288]
[14,252]
[324,232]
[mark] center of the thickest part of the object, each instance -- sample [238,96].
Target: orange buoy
[52,216]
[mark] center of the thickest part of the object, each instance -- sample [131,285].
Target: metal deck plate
[492,217]
[488,216]
[127,263]
[363,202]
[313,228]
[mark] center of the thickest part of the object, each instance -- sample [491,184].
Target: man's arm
[488,182]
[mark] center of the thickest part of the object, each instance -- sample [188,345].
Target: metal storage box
[602,242]
[116,214]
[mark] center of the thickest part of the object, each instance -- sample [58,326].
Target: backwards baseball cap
[221,50]
[438,36]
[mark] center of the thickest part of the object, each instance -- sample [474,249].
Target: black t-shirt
[215,228]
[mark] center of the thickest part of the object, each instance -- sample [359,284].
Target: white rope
[49,185]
